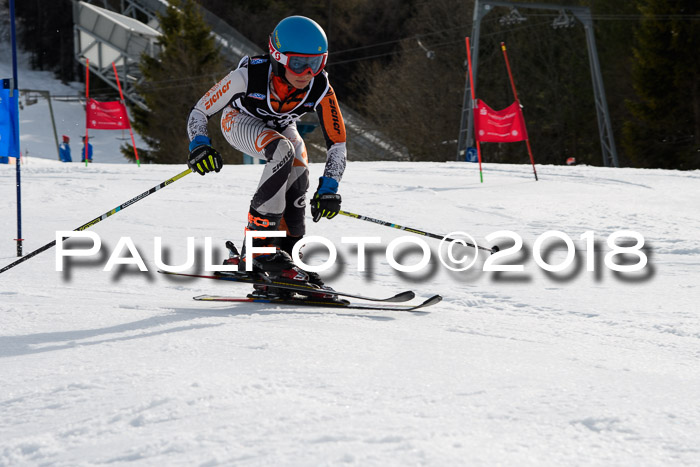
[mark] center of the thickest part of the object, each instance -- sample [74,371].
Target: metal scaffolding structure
[583,14]
[105,37]
[234,45]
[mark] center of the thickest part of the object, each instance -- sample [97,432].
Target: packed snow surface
[513,368]
[583,366]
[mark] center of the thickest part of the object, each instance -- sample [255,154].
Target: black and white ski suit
[259,119]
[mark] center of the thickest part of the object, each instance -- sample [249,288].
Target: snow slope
[573,367]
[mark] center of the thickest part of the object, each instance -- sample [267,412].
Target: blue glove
[204,158]
[325,202]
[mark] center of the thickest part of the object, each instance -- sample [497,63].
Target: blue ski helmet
[297,35]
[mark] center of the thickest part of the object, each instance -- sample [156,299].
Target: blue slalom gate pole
[15,89]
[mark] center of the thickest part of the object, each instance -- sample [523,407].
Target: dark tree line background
[379,66]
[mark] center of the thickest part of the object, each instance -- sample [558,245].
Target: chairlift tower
[583,14]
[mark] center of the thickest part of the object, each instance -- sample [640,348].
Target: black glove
[204,158]
[325,204]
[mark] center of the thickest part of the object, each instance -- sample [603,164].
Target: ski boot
[325,292]
[280,267]
[277,265]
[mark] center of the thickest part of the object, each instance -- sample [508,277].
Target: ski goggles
[298,64]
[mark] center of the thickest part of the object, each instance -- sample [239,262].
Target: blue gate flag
[9,121]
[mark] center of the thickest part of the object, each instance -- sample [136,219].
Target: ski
[246,279]
[311,302]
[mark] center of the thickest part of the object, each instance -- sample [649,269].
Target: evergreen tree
[665,130]
[188,65]
[46,32]
[416,100]
[552,75]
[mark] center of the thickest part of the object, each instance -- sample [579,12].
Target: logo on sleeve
[334,115]
[216,93]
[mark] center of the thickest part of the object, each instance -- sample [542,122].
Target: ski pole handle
[104,216]
[492,250]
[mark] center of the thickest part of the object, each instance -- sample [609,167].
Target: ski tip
[432,300]
[402,297]
[216,298]
[429,302]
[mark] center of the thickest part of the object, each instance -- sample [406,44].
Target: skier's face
[298,81]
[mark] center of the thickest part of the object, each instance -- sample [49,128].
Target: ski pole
[101,218]
[493,249]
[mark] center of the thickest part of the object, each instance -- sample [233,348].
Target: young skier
[261,101]
[64,150]
[89,150]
